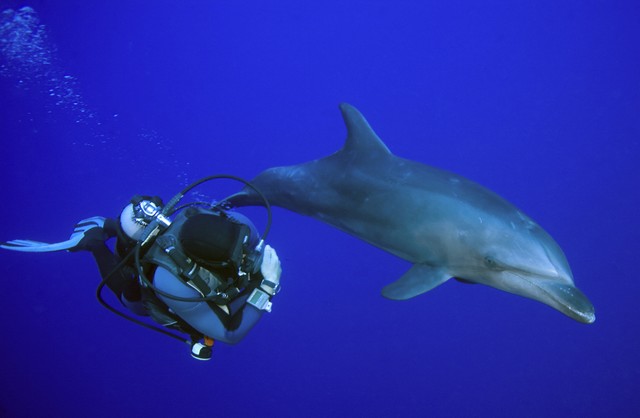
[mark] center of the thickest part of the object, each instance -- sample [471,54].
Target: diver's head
[135,217]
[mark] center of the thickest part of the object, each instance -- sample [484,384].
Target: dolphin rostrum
[446,225]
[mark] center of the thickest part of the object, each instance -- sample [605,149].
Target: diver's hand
[271,271]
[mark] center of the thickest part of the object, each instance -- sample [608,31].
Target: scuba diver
[205,273]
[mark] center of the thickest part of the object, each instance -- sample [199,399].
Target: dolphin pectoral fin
[419,279]
[464,281]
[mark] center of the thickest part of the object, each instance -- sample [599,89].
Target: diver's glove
[271,271]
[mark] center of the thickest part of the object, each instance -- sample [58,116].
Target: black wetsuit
[210,320]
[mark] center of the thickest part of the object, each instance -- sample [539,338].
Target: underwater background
[538,101]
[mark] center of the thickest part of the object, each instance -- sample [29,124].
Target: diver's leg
[121,281]
[116,279]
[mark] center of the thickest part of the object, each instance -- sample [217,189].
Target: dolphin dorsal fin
[361,139]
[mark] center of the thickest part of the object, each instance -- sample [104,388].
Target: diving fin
[79,232]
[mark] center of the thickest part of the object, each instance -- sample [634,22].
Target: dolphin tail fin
[419,279]
[245,197]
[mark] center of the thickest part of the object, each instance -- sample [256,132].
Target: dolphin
[443,223]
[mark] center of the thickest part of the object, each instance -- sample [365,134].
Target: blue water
[539,101]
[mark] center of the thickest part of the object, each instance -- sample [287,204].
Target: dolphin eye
[490,262]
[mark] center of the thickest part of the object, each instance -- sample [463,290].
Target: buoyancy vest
[220,279]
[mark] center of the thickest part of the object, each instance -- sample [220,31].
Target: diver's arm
[266,286]
[237,325]
[229,325]
[210,320]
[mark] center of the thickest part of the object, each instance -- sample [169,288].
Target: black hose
[124,315]
[167,210]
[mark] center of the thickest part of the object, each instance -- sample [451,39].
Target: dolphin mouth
[567,299]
